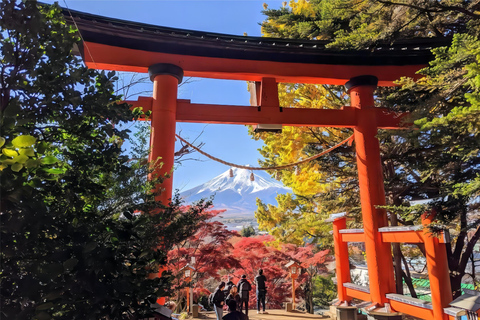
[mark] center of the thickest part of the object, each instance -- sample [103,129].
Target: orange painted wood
[162,137]
[247,115]
[408,237]
[206,113]
[269,93]
[437,266]
[122,59]
[143,102]
[372,194]
[414,311]
[342,264]
[353,237]
[293,293]
[403,236]
[357,294]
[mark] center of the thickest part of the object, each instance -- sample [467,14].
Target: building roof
[159,44]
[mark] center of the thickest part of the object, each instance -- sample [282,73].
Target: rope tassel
[252,177]
[231,173]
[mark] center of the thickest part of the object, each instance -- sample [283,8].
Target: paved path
[272,314]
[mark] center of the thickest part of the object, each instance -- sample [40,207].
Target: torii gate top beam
[120,45]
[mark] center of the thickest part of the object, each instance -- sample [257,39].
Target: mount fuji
[237,194]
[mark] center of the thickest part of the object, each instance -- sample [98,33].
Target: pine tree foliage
[437,160]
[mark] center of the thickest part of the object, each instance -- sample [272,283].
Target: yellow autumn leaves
[20,153]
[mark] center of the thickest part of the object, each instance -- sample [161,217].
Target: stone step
[351,231]
[356,287]
[409,300]
[400,228]
[452,311]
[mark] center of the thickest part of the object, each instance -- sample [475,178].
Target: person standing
[233,295]
[218,300]
[228,286]
[234,314]
[244,288]
[260,280]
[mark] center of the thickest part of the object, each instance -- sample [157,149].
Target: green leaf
[70,264]
[49,160]
[89,247]
[31,163]
[9,152]
[144,254]
[55,170]
[24,141]
[17,167]
[43,316]
[27,151]
[2,141]
[54,295]
[44,306]
[8,162]
[42,146]
[21,159]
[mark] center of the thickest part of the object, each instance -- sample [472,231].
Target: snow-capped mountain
[237,194]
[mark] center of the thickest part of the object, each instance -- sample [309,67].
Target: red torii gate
[168,54]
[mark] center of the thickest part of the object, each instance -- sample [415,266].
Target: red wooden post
[166,78]
[437,266]
[372,193]
[293,293]
[342,264]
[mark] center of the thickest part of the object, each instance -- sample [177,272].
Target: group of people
[236,297]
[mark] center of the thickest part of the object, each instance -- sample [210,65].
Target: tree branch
[468,250]
[436,9]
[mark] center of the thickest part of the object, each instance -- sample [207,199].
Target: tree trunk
[458,260]
[408,278]
[456,283]
[307,289]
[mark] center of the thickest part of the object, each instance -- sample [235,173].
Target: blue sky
[228,142]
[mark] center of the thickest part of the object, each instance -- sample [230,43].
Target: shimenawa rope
[266,168]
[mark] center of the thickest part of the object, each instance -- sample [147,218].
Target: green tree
[73,244]
[439,160]
[325,290]
[247,231]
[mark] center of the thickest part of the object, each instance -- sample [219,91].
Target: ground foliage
[73,245]
[438,160]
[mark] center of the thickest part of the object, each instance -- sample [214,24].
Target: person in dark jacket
[233,295]
[244,288]
[234,314]
[219,300]
[260,280]
[228,286]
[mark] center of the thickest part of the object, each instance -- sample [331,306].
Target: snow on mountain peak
[240,182]
[237,194]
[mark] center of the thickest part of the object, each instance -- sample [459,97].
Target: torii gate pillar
[372,192]
[166,78]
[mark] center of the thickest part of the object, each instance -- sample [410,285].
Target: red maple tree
[221,254]
[211,252]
